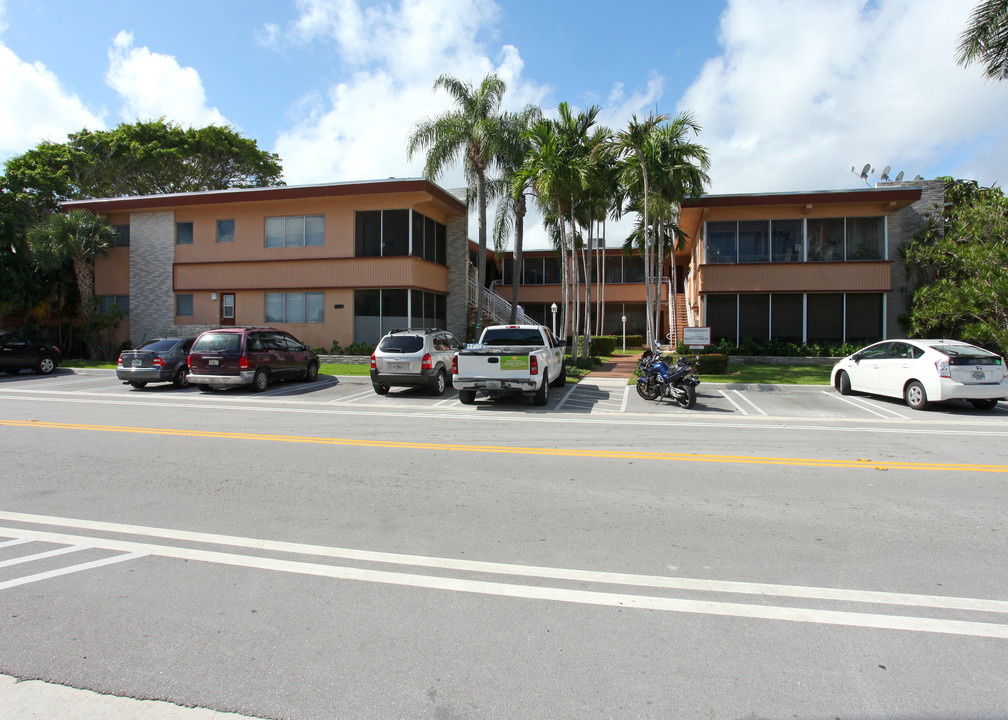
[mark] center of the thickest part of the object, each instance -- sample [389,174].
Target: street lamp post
[624,332]
[553,307]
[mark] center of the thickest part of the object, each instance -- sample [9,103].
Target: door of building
[227,309]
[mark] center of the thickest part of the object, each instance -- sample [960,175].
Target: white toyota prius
[924,371]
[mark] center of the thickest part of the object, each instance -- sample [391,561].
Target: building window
[866,238]
[862,318]
[722,242]
[376,312]
[184,233]
[225,231]
[122,235]
[787,317]
[295,231]
[754,241]
[295,307]
[825,321]
[184,305]
[427,309]
[787,240]
[107,302]
[754,316]
[826,240]
[429,239]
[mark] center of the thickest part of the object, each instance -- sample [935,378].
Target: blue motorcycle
[659,379]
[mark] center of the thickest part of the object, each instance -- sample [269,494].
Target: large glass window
[786,240]
[614,269]
[826,240]
[551,270]
[295,307]
[376,312]
[428,309]
[295,231]
[754,241]
[184,233]
[633,269]
[429,238]
[534,273]
[866,238]
[722,242]
[825,317]
[395,233]
[367,233]
[107,302]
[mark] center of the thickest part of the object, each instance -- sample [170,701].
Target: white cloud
[36,106]
[153,85]
[802,91]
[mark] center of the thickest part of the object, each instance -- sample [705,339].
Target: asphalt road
[322,552]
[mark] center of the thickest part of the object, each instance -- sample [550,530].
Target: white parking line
[626,397]
[355,396]
[71,569]
[43,555]
[861,406]
[735,404]
[16,541]
[754,406]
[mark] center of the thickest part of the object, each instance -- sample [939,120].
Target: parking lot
[592,396]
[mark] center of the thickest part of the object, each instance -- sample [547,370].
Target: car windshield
[217,342]
[401,343]
[159,345]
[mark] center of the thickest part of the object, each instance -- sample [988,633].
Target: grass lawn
[773,374]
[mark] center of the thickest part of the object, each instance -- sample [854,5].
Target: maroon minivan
[249,356]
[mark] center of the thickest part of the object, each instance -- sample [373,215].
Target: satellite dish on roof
[864,170]
[899,176]
[917,178]
[884,177]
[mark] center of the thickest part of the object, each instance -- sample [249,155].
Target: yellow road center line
[503,449]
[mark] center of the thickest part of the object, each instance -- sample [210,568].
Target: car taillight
[243,363]
[943,368]
[373,366]
[454,364]
[533,365]
[188,361]
[426,363]
[157,362]
[120,361]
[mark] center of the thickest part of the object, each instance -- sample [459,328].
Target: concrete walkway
[621,366]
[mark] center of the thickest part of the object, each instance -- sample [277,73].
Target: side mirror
[856,357]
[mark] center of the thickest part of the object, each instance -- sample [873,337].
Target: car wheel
[311,372]
[561,379]
[915,395]
[181,379]
[261,380]
[984,404]
[542,394]
[440,383]
[45,365]
[205,387]
[138,385]
[380,388]
[843,383]
[467,397]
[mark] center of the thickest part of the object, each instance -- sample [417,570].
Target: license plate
[493,384]
[137,362]
[397,367]
[979,375]
[213,363]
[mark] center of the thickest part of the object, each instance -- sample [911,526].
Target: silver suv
[419,358]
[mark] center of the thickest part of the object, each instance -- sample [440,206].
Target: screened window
[427,310]
[225,231]
[825,317]
[864,317]
[826,240]
[184,305]
[722,242]
[722,317]
[754,316]
[122,235]
[786,240]
[633,269]
[551,270]
[295,307]
[107,302]
[184,233]
[534,272]
[787,317]
[395,233]
[614,269]
[367,233]
[866,238]
[753,241]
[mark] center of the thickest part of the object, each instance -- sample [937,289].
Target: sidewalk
[622,366]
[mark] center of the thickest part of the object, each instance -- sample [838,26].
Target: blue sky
[790,93]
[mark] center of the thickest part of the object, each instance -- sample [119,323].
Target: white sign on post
[696,337]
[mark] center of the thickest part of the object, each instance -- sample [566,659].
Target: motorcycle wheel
[688,398]
[648,390]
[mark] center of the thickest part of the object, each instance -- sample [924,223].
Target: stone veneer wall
[458,261]
[152,255]
[902,226]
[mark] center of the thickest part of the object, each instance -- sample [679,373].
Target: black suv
[249,356]
[420,358]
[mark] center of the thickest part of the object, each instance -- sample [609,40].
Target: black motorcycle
[659,379]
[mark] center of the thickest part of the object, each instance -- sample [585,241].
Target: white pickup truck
[510,359]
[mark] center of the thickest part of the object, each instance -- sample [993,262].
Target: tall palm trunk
[519,235]
[481,255]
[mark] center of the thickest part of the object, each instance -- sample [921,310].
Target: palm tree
[511,191]
[77,237]
[985,39]
[473,130]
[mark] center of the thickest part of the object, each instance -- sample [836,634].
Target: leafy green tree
[985,39]
[512,205]
[960,260]
[77,237]
[473,129]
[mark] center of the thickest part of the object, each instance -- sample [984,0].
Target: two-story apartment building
[342,261]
